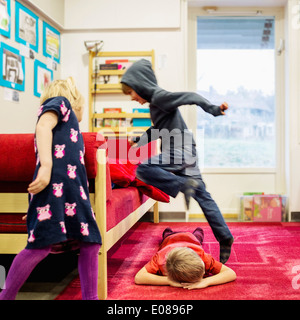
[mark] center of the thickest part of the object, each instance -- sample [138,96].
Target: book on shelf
[257,206]
[122,64]
[99,123]
[108,66]
[114,122]
[125,122]
[112,110]
[107,123]
[143,122]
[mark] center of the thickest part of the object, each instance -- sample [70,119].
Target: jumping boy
[175,169]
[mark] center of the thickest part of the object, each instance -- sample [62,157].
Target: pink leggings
[24,263]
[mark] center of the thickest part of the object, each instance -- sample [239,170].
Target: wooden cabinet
[105,73]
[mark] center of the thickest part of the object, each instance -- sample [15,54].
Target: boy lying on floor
[181,262]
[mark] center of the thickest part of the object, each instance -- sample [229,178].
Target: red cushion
[124,201]
[151,191]
[121,174]
[17,161]
[12,223]
[138,155]
[120,149]
[91,145]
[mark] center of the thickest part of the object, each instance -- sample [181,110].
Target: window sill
[238,170]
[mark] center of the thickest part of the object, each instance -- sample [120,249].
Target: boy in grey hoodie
[175,169]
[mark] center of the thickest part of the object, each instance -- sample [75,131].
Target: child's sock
[167,232]
[199,234]
[225,249]
[88,270]
[21,268]
[188,189]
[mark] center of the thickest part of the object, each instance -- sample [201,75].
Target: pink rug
[265,257]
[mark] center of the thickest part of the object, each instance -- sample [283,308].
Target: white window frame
[278,14]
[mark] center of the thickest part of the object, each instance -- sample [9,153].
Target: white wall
[292,103]
[166,39]
[54,9]
[116,14]
[21,117]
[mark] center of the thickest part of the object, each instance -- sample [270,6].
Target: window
[236,64]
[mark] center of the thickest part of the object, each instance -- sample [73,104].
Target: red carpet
[264,256]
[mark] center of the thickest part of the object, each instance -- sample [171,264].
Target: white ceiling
[237,3]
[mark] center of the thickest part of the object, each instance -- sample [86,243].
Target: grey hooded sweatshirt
[168,124]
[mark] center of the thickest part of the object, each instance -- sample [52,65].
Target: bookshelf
[105,73]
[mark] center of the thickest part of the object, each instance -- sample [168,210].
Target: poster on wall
[5,18]
[42,77]
[27,27]
[51,42]
[12,68]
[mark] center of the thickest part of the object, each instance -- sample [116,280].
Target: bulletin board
[16,50]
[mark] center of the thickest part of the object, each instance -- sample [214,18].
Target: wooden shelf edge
[120,131]
[141,115]
[108,73]
[107,91]
[123,53]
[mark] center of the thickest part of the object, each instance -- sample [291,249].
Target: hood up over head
[141,78]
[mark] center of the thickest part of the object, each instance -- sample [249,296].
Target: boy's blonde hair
[184,265]
[65,88]
[125,88]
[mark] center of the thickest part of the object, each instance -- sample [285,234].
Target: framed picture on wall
[12,68]
[42,77]
[27,27]
[51,42]
[5,18]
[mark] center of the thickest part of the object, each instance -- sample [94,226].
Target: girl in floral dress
[59,214]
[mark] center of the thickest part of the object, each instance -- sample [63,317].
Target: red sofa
[116,209]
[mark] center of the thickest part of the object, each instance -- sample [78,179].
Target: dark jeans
[169,179]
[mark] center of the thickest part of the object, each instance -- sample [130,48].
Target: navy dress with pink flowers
[62,212]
